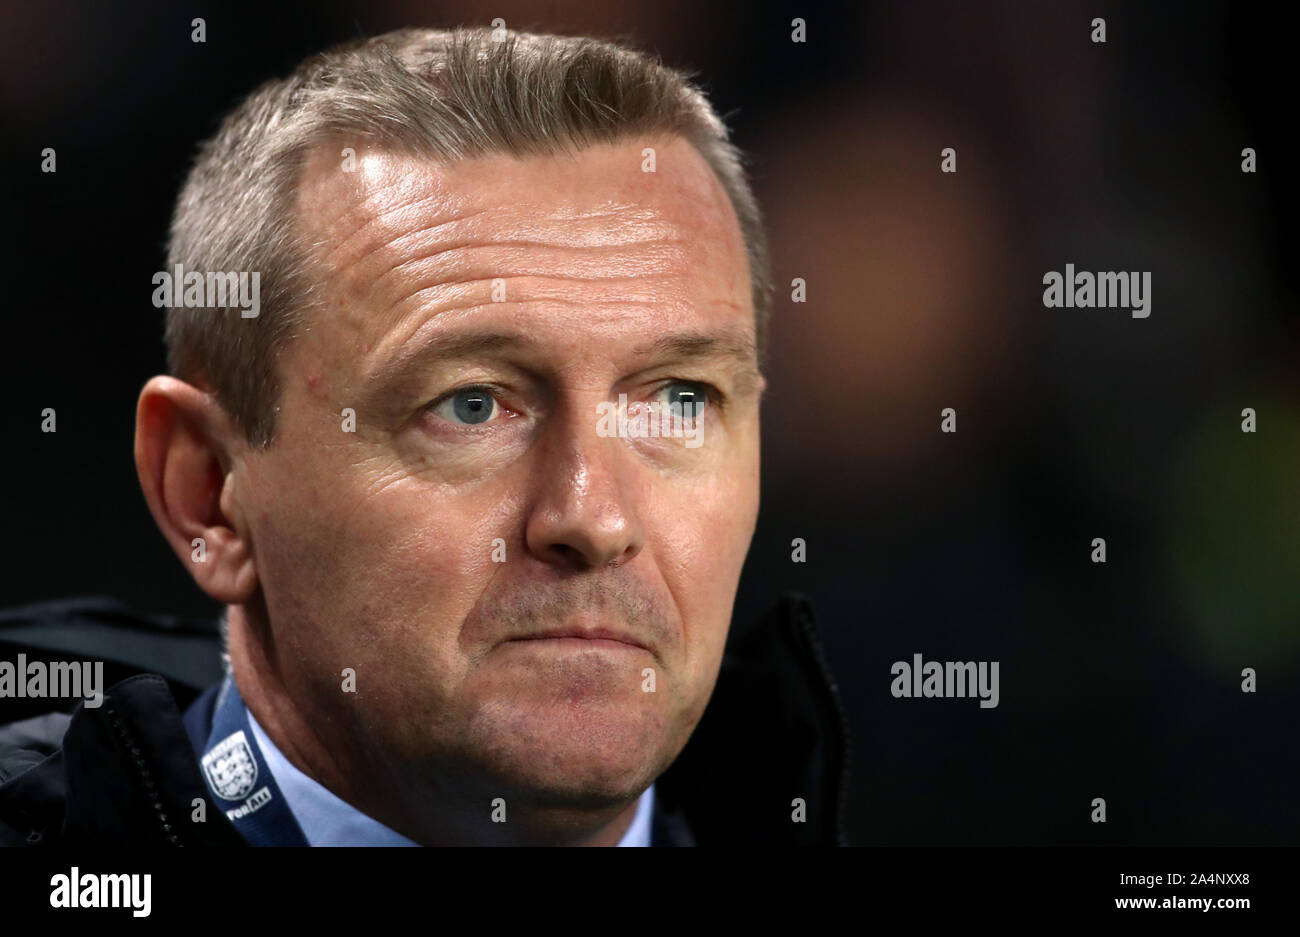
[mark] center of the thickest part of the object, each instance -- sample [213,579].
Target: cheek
[376,569]
[702,534]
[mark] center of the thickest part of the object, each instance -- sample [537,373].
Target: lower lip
[575,644]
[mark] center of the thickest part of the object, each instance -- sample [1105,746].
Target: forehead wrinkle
[367,202]
[490,248]
[325,187]
[425,313]
[455,268]
[517,226]
[425,299]
[422,180]
[514,259]
[441,297]
[531,270]
[380,243]
[520,224]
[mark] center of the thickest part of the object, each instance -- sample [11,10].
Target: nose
[584,513]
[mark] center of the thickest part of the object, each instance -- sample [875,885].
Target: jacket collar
[767,764]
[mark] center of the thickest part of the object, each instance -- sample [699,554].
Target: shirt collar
[328,820]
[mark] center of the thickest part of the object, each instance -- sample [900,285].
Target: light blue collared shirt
[328,820]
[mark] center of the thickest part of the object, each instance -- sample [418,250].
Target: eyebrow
[452,347]
[734,345]
[731,343]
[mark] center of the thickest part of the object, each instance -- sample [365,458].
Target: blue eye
[687,397]
[470,406]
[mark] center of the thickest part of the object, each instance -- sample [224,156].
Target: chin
[584,757]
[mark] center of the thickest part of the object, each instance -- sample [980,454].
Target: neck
[412,800]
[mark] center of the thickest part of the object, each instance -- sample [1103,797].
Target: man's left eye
[470,406]
[687,396]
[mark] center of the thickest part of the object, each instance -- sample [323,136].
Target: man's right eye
[468,406]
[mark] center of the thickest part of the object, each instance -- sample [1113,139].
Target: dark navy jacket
[125,773]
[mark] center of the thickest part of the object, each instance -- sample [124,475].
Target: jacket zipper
[146,776]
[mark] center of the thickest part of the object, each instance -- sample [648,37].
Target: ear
[183,443]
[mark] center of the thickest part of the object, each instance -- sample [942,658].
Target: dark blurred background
[1118,680]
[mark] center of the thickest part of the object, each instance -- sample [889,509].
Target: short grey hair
[443,94]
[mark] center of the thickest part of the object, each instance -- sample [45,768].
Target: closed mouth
[595,635]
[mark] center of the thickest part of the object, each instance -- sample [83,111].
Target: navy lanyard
[239,779]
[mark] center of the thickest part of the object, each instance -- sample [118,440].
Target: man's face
[475,316]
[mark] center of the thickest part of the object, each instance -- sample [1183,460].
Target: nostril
[625,557]
[567,553]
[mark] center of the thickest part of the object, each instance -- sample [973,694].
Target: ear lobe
[185,469]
